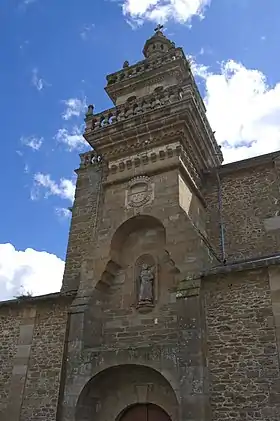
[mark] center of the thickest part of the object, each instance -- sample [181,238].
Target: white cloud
[63,213]
[28,271]
[24,45]
[162,10]
[74,107]
[86,31]
[32,142]
[73,139]
[37,81]
[65,188]
[243,110]
[198,69]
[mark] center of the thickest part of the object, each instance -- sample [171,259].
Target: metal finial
[159,28]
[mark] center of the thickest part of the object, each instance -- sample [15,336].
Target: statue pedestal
[145,306]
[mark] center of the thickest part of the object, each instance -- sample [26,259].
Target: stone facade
[32,335]
[171,290]
[242,347]
[250,207]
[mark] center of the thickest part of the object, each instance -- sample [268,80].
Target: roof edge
[39,298]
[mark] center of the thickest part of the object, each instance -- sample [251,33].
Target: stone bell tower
[138,231]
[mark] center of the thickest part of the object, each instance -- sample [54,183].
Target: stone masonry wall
[167,230]
[249,197]
[31,353]
[9,331]
[242,348]
[183,242]
[107,324]
[82,223]
[122,323]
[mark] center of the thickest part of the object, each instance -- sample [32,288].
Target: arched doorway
[144,412]
[117,390]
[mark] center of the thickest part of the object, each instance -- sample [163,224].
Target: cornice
[250,264]
[109,130]
[156,160]
[151,156]
[249,164]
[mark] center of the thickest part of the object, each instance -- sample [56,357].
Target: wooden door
[144,412]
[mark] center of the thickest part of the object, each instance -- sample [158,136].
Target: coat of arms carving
[139,193]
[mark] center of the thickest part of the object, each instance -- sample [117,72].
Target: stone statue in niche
[145,272]
[146,281]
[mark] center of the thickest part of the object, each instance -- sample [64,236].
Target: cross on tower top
[159,28]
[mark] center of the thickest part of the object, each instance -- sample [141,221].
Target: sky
[54,57]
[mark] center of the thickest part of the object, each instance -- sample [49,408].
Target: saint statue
[146,293]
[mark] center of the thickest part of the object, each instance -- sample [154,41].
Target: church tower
[138,244]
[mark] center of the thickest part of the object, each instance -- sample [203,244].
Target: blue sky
[54,59]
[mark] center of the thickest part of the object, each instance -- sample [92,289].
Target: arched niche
[137,225]
[136,236]
[109,394]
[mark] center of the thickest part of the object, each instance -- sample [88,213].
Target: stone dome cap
[158,44]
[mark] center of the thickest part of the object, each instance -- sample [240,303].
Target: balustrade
[133,108]
[89,158]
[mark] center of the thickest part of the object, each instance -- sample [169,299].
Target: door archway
[144,412]
[114,392]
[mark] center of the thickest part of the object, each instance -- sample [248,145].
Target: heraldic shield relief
[140,192]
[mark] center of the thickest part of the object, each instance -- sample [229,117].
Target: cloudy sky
[54,58]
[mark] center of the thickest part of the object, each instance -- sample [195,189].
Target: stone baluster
[163,98]
[89,158]
[121,114]
[113,117]
[138,109]
[104,121]
[157,102]
[129,111]
[96,123]
[173,96]
[146,106]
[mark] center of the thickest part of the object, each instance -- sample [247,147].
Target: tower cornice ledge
[147,73]
[135,133]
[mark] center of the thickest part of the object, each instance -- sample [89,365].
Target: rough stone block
[272,224]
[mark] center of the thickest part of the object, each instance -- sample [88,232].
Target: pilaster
[84,218]
[192,355]
[20,364]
